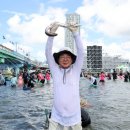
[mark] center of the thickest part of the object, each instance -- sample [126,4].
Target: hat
[65,50]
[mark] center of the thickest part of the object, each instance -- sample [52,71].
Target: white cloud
[114,49]
[31,28]
[107,16]
[125,45]
[110,18]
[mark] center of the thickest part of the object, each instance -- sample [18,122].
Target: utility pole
[16,46]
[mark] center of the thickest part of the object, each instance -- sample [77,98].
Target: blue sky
[104,22]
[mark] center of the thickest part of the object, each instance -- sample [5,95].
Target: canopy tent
[123,68]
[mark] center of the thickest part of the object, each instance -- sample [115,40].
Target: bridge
[12,58]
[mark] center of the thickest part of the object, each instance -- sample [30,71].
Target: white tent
[124,68]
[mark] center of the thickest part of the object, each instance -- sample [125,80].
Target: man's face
[65,60]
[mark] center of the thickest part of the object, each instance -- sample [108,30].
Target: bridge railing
[5,48]
[11,52]
[15,54]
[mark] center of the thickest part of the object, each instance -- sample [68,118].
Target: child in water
[20,80]
[92,79]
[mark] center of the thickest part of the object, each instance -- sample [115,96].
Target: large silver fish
[48,29]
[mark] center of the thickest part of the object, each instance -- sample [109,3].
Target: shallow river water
[25,110]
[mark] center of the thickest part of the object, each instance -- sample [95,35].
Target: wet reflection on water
[111,105]
[24,110]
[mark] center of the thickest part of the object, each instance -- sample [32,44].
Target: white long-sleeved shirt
[66,102]
[92,80]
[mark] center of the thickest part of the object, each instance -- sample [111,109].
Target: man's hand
[51,29]
[73,27]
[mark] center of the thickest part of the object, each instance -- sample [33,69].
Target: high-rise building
[94,58]
[69,41]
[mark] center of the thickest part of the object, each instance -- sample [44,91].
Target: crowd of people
[31,80]
[125,76]
[119,75]
[27,79]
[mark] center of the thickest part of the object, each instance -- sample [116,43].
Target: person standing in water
[65,68]
[114,75]
[102,77]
